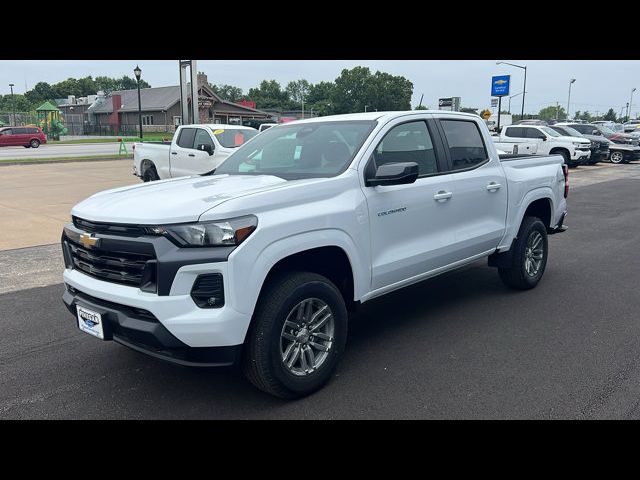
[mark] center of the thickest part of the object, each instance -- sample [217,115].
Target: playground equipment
[50,121]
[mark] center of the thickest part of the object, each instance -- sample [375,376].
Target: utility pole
[557,110]
[569,99]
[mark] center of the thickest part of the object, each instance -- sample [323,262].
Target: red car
[28,137]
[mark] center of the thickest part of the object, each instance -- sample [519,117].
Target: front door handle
[192,154]
[174,153]
[493,186]
[442,195]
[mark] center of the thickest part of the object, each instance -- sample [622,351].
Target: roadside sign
[500,85]
[494,102]
[486,114]
[445,102]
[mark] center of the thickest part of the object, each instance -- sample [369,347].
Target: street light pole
[569,99]
[137,72]
[365,107]
[13,104]
[512,96]
[524,86]
[630,103]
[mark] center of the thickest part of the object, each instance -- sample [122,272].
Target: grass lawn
[14,161]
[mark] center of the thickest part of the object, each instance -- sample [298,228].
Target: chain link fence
[18,118]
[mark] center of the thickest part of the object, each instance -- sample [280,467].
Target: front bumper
[169,300]
[140,330]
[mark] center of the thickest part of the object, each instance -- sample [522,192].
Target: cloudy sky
[599,84]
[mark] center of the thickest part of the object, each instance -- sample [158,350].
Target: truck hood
[171,201]
[564,138]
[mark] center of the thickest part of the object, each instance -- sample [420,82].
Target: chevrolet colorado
[260,261]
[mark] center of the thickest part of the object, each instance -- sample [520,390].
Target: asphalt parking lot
[457,346]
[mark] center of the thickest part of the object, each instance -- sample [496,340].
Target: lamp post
[524,86]
[13,104]
[365,108]
[521,93]
[630,103]
[138,73]
[571,82]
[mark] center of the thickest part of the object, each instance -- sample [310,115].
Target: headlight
[579,144]
[209,234]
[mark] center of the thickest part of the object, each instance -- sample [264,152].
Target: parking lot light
[630,103]
[13,104]
[138,73]
[524,86]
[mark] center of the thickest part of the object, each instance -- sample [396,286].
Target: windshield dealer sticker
[389,212]
[219,131]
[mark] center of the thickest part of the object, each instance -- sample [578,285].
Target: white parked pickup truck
[260,261]
[574,150]
[194,150]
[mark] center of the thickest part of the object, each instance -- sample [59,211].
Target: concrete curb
[66,160]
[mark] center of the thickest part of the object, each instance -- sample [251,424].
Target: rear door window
[465,143]
[514,132]
[186,138]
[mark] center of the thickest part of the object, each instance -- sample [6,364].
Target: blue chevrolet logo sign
[500,85]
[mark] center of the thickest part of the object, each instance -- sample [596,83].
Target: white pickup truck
[574,150]
[260,261]
[194,150]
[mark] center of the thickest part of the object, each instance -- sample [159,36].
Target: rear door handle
[192,154]
[174,153]
[493,186]
[442,195]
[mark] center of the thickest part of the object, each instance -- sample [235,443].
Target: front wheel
[34,143]
[616,157]
[297,336]
[529,256]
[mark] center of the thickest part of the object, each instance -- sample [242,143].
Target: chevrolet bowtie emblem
[88,240]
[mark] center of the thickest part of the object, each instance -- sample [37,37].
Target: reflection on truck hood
[170,201]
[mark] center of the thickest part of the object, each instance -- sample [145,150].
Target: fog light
[208,291]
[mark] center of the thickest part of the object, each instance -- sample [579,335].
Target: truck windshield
[234,137]
[550,131]
[305,150]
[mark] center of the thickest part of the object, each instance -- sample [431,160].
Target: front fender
[250,267]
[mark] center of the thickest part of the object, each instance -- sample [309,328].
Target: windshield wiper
[208,173]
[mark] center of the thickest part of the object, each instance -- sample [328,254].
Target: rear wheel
[616,157]
[297,336]
[35,143]
[529,256]
[150,174]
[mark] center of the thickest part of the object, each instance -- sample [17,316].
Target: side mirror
[543,138]
[400,173]
[595,132]
[205,147]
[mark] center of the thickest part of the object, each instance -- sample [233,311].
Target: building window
[147,120]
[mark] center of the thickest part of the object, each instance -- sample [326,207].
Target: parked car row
[579,143]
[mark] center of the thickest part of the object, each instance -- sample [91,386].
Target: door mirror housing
[595,132]
[543,138]
[401,173]
[205,147]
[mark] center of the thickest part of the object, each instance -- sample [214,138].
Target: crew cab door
[186,158]
[527,134]
[412,229]
[479,185]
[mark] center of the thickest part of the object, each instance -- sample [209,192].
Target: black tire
[567,158]
[616,157]
[35,143]
[27,146]
[150,174]
[262,361]
[516,276]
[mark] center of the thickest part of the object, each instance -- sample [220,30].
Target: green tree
[584,116]
[227,92]
[421,107]
[610,115]
[15,102]
[269,95]
[552,112]
[105,84]
[469,110]
[298,91]
[390,92]
[320,97]
[40,93]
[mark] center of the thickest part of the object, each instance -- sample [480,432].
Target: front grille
[126,268]
[133,312]
[108,228]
